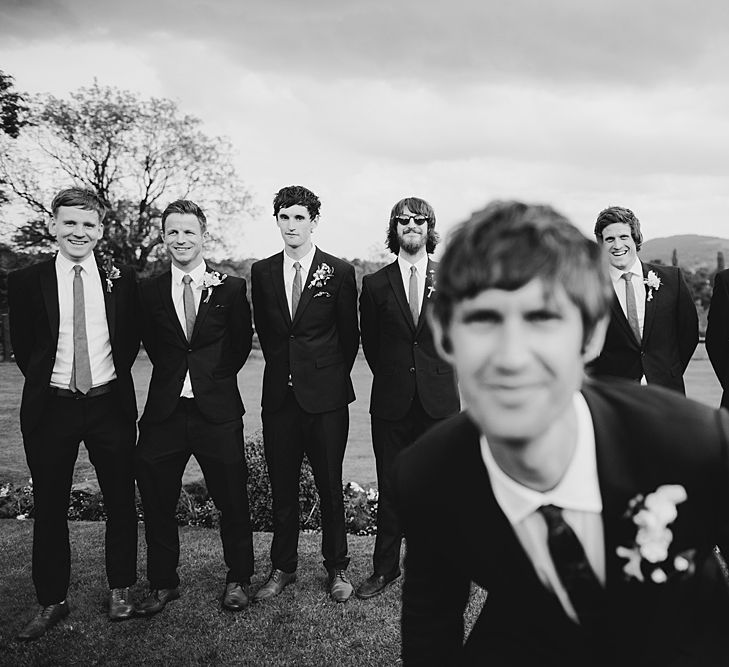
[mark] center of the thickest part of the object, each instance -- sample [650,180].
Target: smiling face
[77,231]
[519,360]
[184,238]
[296,227]
[619,245]
[411,236]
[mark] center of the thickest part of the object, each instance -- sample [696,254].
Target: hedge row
[196,508]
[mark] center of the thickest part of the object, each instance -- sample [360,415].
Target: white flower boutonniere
[210,280]
[430,283]
[649,556]
[320,277]
[112,272]
[653,283]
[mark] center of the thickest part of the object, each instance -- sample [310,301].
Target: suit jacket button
[291,337]
[412,369]
[189,349]
[415,343]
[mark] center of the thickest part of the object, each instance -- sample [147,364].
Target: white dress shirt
[97,328]
[421,268]
[636,280]
[177,299]
[577,493]
[289,272]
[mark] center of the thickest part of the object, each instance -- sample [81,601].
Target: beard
[411,242]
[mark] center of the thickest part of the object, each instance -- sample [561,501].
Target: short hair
[419,207]
[84,198]
[293,195]
[185,207]
[613,214]
[507,245]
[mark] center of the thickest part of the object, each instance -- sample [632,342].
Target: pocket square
[326,294]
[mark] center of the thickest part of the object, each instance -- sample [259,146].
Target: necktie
[413,294]
[577,577]
[188,301]
[81,369]
[631,306]
[296,290]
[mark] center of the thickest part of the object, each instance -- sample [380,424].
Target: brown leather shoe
[46,618]
[156,600]
[121,606]
[374,585]
[340,590]
[277,581]
[235,598]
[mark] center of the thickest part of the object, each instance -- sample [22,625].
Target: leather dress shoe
[277,581]
[156,600]
[374,585]
[235,598]
[44,621]
[340,590]
[121,606]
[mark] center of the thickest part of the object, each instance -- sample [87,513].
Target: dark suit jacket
[221,342]
[319,347]
[34,322]
[670,335]
[402,357]
[717,332]
[457,534]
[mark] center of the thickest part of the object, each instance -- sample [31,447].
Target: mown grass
[300,627]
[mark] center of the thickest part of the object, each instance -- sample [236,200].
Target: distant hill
[693,250]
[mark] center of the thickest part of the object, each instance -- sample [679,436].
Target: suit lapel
[618,316]
[429,283]
[109,304]
[395,278]
[49,289]
[206,298]
[276,277]
[307,293]
[650,306]
[164,286]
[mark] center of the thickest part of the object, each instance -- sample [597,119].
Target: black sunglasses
[405,219]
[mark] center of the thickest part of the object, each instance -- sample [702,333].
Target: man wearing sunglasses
[412,388]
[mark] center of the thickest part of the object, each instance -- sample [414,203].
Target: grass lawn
[300,627]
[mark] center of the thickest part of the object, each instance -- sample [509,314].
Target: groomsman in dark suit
[413,388]
[653,322]
[74,333]
[717,332]
[588,511]
[197,331]
[305,310]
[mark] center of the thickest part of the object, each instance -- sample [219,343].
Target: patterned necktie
[631,306]
[81,369]
[413,294]
[577,576]
[188,301]
[296,290]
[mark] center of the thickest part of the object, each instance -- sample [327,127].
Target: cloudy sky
[581,104]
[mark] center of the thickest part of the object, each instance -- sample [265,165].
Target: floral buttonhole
[653,283]
[321,276]
[211,280]
[112,272]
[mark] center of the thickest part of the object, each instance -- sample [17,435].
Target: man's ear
[440,338]
[314,223]
[593,345]
[51,225]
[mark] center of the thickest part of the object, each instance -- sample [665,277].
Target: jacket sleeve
[717,330]
[22,334]
[241,326]
[347,324]
[259,307]
[370,325]
[688,322]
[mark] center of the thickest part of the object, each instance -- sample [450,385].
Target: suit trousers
[51,450]
[288,434]
[162,453]
[389,438]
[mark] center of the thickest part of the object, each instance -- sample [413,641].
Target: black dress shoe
[44,621]
[121,606]
[156,600]
[277,581]
[235,598]
[340,590]
[374,585]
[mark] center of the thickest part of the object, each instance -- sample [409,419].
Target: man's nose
[513,346]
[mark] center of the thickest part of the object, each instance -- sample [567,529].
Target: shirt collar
[421,265]
[66,265]
[616,274]
[196,274]
[579,488]
[305,261]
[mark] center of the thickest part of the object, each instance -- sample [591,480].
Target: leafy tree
[138,154]
[12,117]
